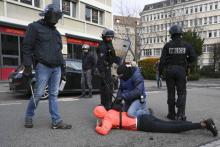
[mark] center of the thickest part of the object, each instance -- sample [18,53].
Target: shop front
[11,39]
[74,46]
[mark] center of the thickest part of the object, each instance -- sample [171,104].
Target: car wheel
[46,94]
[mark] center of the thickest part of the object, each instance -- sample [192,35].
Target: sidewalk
[151,85]
[4,87]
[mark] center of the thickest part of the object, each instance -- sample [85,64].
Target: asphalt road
[201,103]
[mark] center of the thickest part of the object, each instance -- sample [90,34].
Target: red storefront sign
[81,42]
[12,31]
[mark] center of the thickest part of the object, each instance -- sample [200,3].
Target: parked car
[19,83]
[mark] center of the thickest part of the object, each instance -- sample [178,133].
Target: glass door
[9,54]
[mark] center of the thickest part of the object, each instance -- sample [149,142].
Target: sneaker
[28,123]
[210,125]
[61,125]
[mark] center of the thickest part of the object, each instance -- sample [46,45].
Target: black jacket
[88,61]
[177,52]
[106,55]
[44,44]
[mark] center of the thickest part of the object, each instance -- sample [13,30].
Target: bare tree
[127,27]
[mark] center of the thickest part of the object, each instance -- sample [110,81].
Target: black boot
[83,95]
[171,112]
[181,114]
[90,93]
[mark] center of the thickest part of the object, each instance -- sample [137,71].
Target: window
[196,9]
[191,10]
[210,7]
[69,8]
[35,3]
[191,23]
[210,34]
[186,23]
[215,19]
[187,11]
[200,8]
[205,20]
[215,33]
[196,22]
[9,45]
[147,52]
[10,50]
[73,9]
[157,52]
[88,14]
[74,51]
[94,15]
[216,6]
[204,34]
[209,48]
[206,7]
[200,21]
[101,17]
[210,20]
[66,7]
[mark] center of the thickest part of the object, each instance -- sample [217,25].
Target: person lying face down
[111,119]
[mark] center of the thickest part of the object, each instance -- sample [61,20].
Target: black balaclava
[125,71]
[52,15]
[176,36]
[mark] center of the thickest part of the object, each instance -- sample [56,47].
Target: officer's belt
[120,119]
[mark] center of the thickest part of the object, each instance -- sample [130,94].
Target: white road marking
[8,104]
[153,92]
[45,101]
[212,144]
[62,100]
[67,99]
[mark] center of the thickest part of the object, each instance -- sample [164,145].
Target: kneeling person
[132,90]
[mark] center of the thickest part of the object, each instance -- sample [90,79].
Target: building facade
[83,22]
[127,28]
[203,16]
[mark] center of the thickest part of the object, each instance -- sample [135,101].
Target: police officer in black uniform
[176,56]
[106,57]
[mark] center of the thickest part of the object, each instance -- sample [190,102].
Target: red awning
[12,31]
[81,42]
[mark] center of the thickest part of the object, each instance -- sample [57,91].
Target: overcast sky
[130,6]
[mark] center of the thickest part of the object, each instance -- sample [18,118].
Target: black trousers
[106,89]
[176,81]
[149,123]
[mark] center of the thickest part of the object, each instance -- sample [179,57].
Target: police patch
[178,50]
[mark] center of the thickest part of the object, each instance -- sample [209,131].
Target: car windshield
[74,65]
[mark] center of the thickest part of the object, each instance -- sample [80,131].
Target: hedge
[207,72]
[148,68]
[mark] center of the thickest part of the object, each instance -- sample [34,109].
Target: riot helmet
[52,14]
[107,33]
[176,30]
[85,47]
